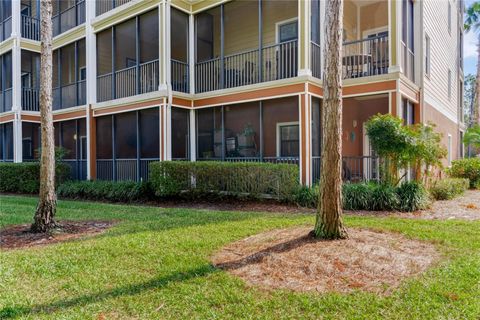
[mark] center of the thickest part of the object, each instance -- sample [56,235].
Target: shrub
[214,178]
[449,188]
[383,197]
[467,169]
[24,177]
[412,196]
[356,196]
[120,191]
[306,196]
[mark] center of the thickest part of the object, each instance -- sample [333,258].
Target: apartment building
[191,80]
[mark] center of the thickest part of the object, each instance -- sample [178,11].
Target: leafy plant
[468,169]
[449,188]
[120,191]
[412,196]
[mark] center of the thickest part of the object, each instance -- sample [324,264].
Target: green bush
[306,196]
[120,191]
[357,196]
[24,177]
[467,169]
[383,197]
[412,196]
[449,188]
[214,178]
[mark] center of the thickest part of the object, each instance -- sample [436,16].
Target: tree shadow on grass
[11,312]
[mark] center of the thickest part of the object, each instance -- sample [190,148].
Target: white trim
[449,150]
[277,135]
[368,32]
[283,22]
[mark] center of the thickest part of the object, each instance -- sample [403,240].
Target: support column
[304,117]
[191,53]
[91,87]
[163,45]
[193,136]
[394,35]
[304,26]
[16,82]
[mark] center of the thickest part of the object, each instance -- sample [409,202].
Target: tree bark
[45,213]
[476,97]
[328,223]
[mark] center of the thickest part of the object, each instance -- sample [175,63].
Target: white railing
[126,82]
[366,57]
[149,79]
[30,99]
[30,27]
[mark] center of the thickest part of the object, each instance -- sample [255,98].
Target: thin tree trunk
[476,97]
[328,223]
[45,213]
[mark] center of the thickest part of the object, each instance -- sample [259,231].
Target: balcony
[68,18]
[103,6]
[366,57]
[6,100]
[30,27]
[70,95]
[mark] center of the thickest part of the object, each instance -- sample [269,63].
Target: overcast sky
[470,48]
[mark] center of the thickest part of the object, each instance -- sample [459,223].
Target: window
[462,147]
[427,56]
[408,39]
[449,17]
[287,31]
[288,143]
[449,89]
[408,112]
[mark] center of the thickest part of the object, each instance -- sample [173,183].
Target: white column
[91,85]
[193,136]
[304,27]
[395,34]
[191,52]
[16,82]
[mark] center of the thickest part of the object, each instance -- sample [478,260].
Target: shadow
[258,257]
[130,290]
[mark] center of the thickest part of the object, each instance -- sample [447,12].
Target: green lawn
[155,264]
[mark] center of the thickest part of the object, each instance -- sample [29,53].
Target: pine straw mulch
[291,259]
[20,236]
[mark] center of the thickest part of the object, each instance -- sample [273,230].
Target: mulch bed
[291,259]
[19,236]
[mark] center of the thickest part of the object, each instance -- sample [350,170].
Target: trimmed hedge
[213,178]
[467,169]
[25,177]
[449,188]
[410,196]
[121,191]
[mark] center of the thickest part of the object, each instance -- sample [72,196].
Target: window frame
[279,126]
[428,58]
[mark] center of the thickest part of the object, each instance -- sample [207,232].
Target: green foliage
[472,17]
[356,196]
[472,136]
[449,188]
[468,169]
[306,196]
[383,197]
[121,191]
[412,196]
[216,179]
[25,177]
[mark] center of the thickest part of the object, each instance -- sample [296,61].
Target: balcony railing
[69,18]
[180,76]
[6,28]
[316,60]
[30,28]
[128,82]
[354,169]
[30,99]
[6,100]
[78,168]
[278,61]
[124,169]
[103,6]
[366,57]
[70,95]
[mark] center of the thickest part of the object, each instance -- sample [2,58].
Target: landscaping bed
[292,259]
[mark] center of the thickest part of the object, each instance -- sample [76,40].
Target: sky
[469,49]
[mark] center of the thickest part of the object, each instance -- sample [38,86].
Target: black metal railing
[124,169]
[316,59]
[354,169]
[180,76]
[274,62]
[70,95]
[78,168]
[103,6]
[69,18]
[6,100]
[30,27]
[366,57]
[30,99]
[128,82]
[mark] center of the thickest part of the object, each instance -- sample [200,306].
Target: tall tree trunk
[45,213]
[328,223]
[476,97]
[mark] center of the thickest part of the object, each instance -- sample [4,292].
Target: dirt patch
[292,259]
[465,207]
[19,236]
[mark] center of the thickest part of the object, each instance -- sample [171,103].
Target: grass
[155,264]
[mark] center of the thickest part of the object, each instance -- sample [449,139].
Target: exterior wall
[444,50]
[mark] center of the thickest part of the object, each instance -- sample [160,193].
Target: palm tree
[45,213]
[328,223]
[472,136]
[472,23]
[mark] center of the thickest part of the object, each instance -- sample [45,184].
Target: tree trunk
[328,223]
[45,213]
[476,97]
